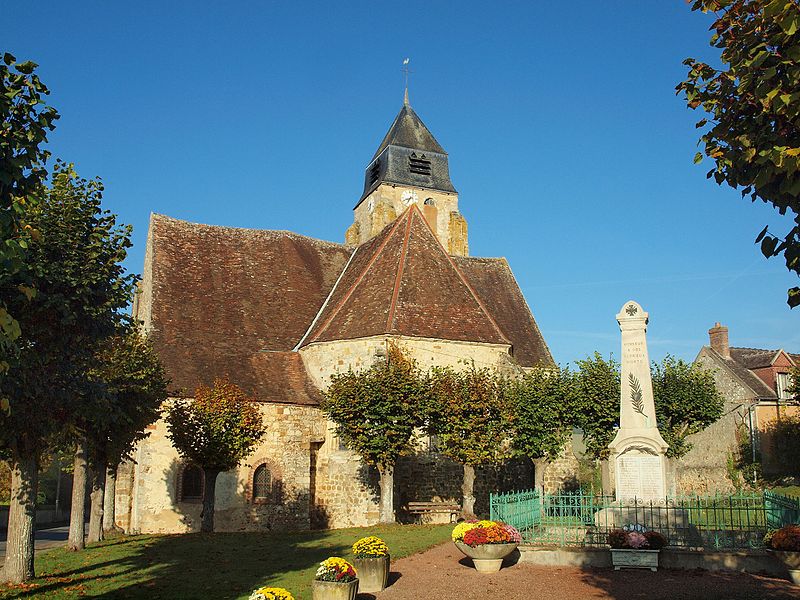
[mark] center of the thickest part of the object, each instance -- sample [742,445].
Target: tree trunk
[77,517]
[110,501]
[97,498]
[18,566]
[207,516]
[539,467]
[468,492]
[387,495]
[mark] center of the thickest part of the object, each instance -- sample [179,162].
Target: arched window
[262,483]
[430,202]
[191,484]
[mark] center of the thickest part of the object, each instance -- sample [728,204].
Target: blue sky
[570,151]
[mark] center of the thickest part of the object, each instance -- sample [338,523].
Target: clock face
[370,204]
[408,197]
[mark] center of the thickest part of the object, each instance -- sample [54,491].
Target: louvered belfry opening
[419,164]
[374,172]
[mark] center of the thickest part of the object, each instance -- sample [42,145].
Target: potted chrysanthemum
[335,580]
[371,563]
[271,593]
[487,543]
[635,548]
[785,544]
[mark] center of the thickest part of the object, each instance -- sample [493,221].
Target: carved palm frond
[636,395]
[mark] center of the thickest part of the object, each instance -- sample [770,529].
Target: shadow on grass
[218,565]
[673,583]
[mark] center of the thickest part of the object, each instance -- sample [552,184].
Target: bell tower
[409,167]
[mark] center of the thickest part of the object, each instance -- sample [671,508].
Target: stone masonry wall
[148,500]
[347,490]
[704,468]
[387,204]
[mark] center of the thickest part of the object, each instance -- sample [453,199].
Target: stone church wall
[147,499]
[387,204]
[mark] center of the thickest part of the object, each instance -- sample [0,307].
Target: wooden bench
[433,510]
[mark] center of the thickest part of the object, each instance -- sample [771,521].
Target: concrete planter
[791,561]
[373,573]
[487,558]
[332,590]
[634,558]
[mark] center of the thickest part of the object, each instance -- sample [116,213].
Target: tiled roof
[493,281]
[220,295]
[403,282]
[753,358]
[745,375]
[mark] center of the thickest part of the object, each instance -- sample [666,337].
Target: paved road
[45,538]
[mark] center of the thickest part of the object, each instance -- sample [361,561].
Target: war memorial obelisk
[638,450]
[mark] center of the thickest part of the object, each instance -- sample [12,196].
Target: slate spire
[409,155]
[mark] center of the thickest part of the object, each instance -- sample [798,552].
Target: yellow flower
[369,547]
[271,593]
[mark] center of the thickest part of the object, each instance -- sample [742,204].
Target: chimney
[718,336]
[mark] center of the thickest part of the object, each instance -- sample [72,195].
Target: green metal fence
[584,519]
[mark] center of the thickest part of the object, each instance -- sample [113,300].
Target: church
[278,313]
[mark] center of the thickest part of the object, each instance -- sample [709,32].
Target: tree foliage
[469,415]
[687,401]
[540,412]
[753,110]
[596,395]
[376,411]
[133,386]
[25,121]
[78,289]
[218,429]
[75,266]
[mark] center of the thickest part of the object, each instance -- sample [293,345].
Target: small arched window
[262,483]
[429,202]
[191,483]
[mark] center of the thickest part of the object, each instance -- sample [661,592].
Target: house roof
[753,358]
[744,374]
[403,282]
[221,295]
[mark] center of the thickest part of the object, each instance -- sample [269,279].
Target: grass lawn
[215,566]
[789,490]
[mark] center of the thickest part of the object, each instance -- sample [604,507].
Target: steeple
[409,167]
[408,155]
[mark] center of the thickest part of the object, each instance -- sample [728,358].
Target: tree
[687,401]
[216,430]
[25,121]
[540,415]
[596,390]
[753,110]
[133,386]
[468,413]
[375,412]
[75,266]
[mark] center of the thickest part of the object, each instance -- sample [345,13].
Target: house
[754,383]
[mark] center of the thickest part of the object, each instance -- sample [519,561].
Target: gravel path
[443,574]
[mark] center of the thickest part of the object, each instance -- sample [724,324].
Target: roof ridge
[360,277]
[399,276]
[155,217]
[462,277]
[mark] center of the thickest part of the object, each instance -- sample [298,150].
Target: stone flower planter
[634,558]
[487,558]
[792,562]
[332,590]
[373,573]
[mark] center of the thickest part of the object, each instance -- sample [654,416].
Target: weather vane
[406,71]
